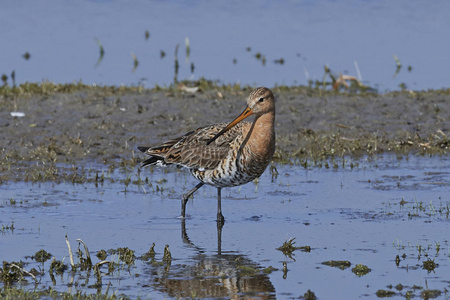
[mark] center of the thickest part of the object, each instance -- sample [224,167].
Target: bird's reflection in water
[222,275]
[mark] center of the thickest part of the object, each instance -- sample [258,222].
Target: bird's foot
[184,200]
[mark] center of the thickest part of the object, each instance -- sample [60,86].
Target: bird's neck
[262,136]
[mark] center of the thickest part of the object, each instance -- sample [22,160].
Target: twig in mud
[441,133]
[342,80]
[24,271]
[100,263]
[97,270]
[144,190]
[70,253]
[107,289]
[88,256]
[358,72]
[342,126]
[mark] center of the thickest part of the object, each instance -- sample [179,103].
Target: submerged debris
[341,264]
[101,254]
[289,247]
[429,265]
[309,295]
[57,266]
[125,254]
[41,256]
[361,270]
[167,255]
[14,272]
[85,261]
[384,293]
[430,294]
[150,254]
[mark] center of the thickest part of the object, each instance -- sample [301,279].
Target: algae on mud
[77,124]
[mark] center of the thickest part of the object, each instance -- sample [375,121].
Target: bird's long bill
[246,113]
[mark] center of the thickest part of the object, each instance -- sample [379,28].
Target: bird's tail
[158,153]
[154,159]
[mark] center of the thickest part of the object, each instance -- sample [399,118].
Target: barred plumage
[224,155]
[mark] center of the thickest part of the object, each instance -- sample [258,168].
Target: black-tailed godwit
[223,155]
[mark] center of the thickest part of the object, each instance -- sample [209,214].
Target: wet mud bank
[81,126]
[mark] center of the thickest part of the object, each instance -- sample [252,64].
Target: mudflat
[83,125]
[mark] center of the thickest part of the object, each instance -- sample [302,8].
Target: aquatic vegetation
[4,79]
[26,55]
[42,256]
[135,61]
[429,265]
[398,65]
[125,254]
[150,254]
[188,49]
[101,254]
[409,292]
[247,270]
[13,78]
[167,255]
[289,247]
[12,272]
[102,52]
[279,61]
[29,89]
[309,295]
[19,293]
[419,256]
[8,227]
[418,209]
[176,65]
[430,294]
[341,264]
[361,270]
[385,293]
[58,266]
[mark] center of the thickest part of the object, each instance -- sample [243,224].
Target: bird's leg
[220,218]
[219,238]
[185,198]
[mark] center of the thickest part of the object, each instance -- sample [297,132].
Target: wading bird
[223,155]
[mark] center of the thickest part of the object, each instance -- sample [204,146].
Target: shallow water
[342,214]
[358,38]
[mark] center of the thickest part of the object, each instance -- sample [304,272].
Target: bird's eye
[261,99]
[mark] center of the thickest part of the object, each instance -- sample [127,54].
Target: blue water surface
[358,38]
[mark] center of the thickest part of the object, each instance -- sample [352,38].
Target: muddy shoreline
[81,126]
